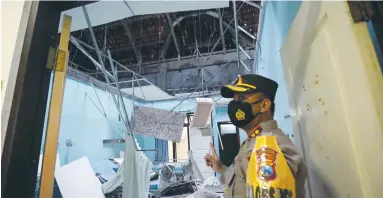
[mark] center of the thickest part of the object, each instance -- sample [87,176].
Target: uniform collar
[269,125]
[264,126]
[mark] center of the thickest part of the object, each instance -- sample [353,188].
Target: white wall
[14,18]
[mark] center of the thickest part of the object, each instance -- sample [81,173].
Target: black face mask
[241,112]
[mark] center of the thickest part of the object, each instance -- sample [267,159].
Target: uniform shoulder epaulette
[256,132]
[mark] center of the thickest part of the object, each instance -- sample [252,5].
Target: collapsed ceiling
[167,43]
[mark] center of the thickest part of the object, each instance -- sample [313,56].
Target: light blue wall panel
[378,50]
[277,21]
[84,125]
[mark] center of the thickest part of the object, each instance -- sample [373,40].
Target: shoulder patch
[266,161]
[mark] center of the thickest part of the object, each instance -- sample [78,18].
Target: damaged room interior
[149,99]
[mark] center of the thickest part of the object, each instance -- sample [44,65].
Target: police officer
[252,110]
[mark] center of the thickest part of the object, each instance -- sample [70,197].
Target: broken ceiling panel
[158,123]
[103,12]
[148,93]
[174,48]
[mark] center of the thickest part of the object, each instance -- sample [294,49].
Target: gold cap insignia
[239,81]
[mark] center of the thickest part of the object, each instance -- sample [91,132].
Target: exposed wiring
[82,67]
[104,115]
[127,5]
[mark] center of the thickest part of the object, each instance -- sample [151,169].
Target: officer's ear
[266,105]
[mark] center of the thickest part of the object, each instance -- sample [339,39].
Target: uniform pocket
[229,177]
[229,182]
[240,188]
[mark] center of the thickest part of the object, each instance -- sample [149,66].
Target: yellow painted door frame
[54,115]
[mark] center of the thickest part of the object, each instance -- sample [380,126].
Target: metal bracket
[51,57]
[113,141]
[60,60]
[287,116]
[361,11]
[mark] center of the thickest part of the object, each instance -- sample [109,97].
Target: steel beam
[246,32]
[98,65]
[165,47]
[236,30]
[87,79]
[94,89]
[194,91]
[210,13]
[133,41]
[116,50]
[128,81]
[227,27]
[221,30]
[105,38]
[252,4]
[127,5]
[139,85]
[127,120]
[258,38]
[170,21]
[207,81]
[106,73]
[248,56]
[244,65]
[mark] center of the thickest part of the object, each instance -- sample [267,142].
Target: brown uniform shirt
[234,176]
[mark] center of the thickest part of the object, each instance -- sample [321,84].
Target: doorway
[230,142]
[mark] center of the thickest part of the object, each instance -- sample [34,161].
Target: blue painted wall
[379,52]
[82,123]
[277,21]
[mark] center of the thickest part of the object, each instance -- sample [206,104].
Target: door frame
[219,124]
[220,133]
[24,131]
[226,123]
[187,125]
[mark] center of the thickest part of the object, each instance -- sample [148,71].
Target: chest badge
[240,115]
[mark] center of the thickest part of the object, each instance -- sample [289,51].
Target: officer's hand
[213,161]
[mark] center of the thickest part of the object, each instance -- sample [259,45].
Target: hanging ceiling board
[158,123]
[103,12]
[202,112]
[77,179]
[148,93]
